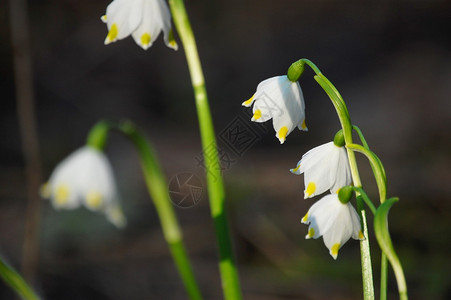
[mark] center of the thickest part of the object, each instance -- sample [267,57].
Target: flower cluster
[325,167]
[85,178]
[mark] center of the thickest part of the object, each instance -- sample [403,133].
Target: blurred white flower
[143,19]
[85,178]
[281,100]
[335,221]
[325,167]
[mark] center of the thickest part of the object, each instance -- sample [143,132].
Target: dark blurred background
[389,59]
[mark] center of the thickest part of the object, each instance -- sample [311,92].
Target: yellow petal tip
[295,170]
[112,34]
[305,218]
[282,134]
[257,115]
[334,250]
[248,102]
[310,190]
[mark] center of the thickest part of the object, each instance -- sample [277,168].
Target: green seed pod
[98,135]
[345,194]
[339,139]
[295,70]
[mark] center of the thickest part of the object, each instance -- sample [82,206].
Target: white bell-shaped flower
[325,167]
[143,19]
[334,221]
[86,178]
[281,100]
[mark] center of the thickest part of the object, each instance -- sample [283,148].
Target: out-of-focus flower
[335,221]
[143,19]
[85,178]
[325,167]
[281,100]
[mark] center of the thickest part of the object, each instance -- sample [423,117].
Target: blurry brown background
[389,59]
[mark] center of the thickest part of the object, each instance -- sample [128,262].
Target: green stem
[377,167]
[379,172]
[384,277]
[361,136]
[384,240]
[158,190]
[345,120]
[384,265]
[366,199]
[216,193]
[16,282]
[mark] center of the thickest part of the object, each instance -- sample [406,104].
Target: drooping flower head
[325,167]
[281,100]
[335,221]
[143,19]
[85,178]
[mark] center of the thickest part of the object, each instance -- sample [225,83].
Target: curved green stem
[361,136]
[216,192]
[158,190]
[379,172]
[16,282]
[365,198]
[345,120]
[384,240]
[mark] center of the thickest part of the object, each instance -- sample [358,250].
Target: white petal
[115,215]
[166,25]
[322,215]
[151,25]
[292,106]
[356,226]
[269,99]
[122,17]
[314,156]
[341,171]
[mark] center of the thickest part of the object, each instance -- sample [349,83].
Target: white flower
[143,19]
[85,178]
[325,167]
[335,221]
[280,99]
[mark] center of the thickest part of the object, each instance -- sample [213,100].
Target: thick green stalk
[384,277]
[384,265]
[345,120]
[216,193]
[158,190]
[16,282]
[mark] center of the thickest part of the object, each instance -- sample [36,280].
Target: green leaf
[384,240]
[16,282]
